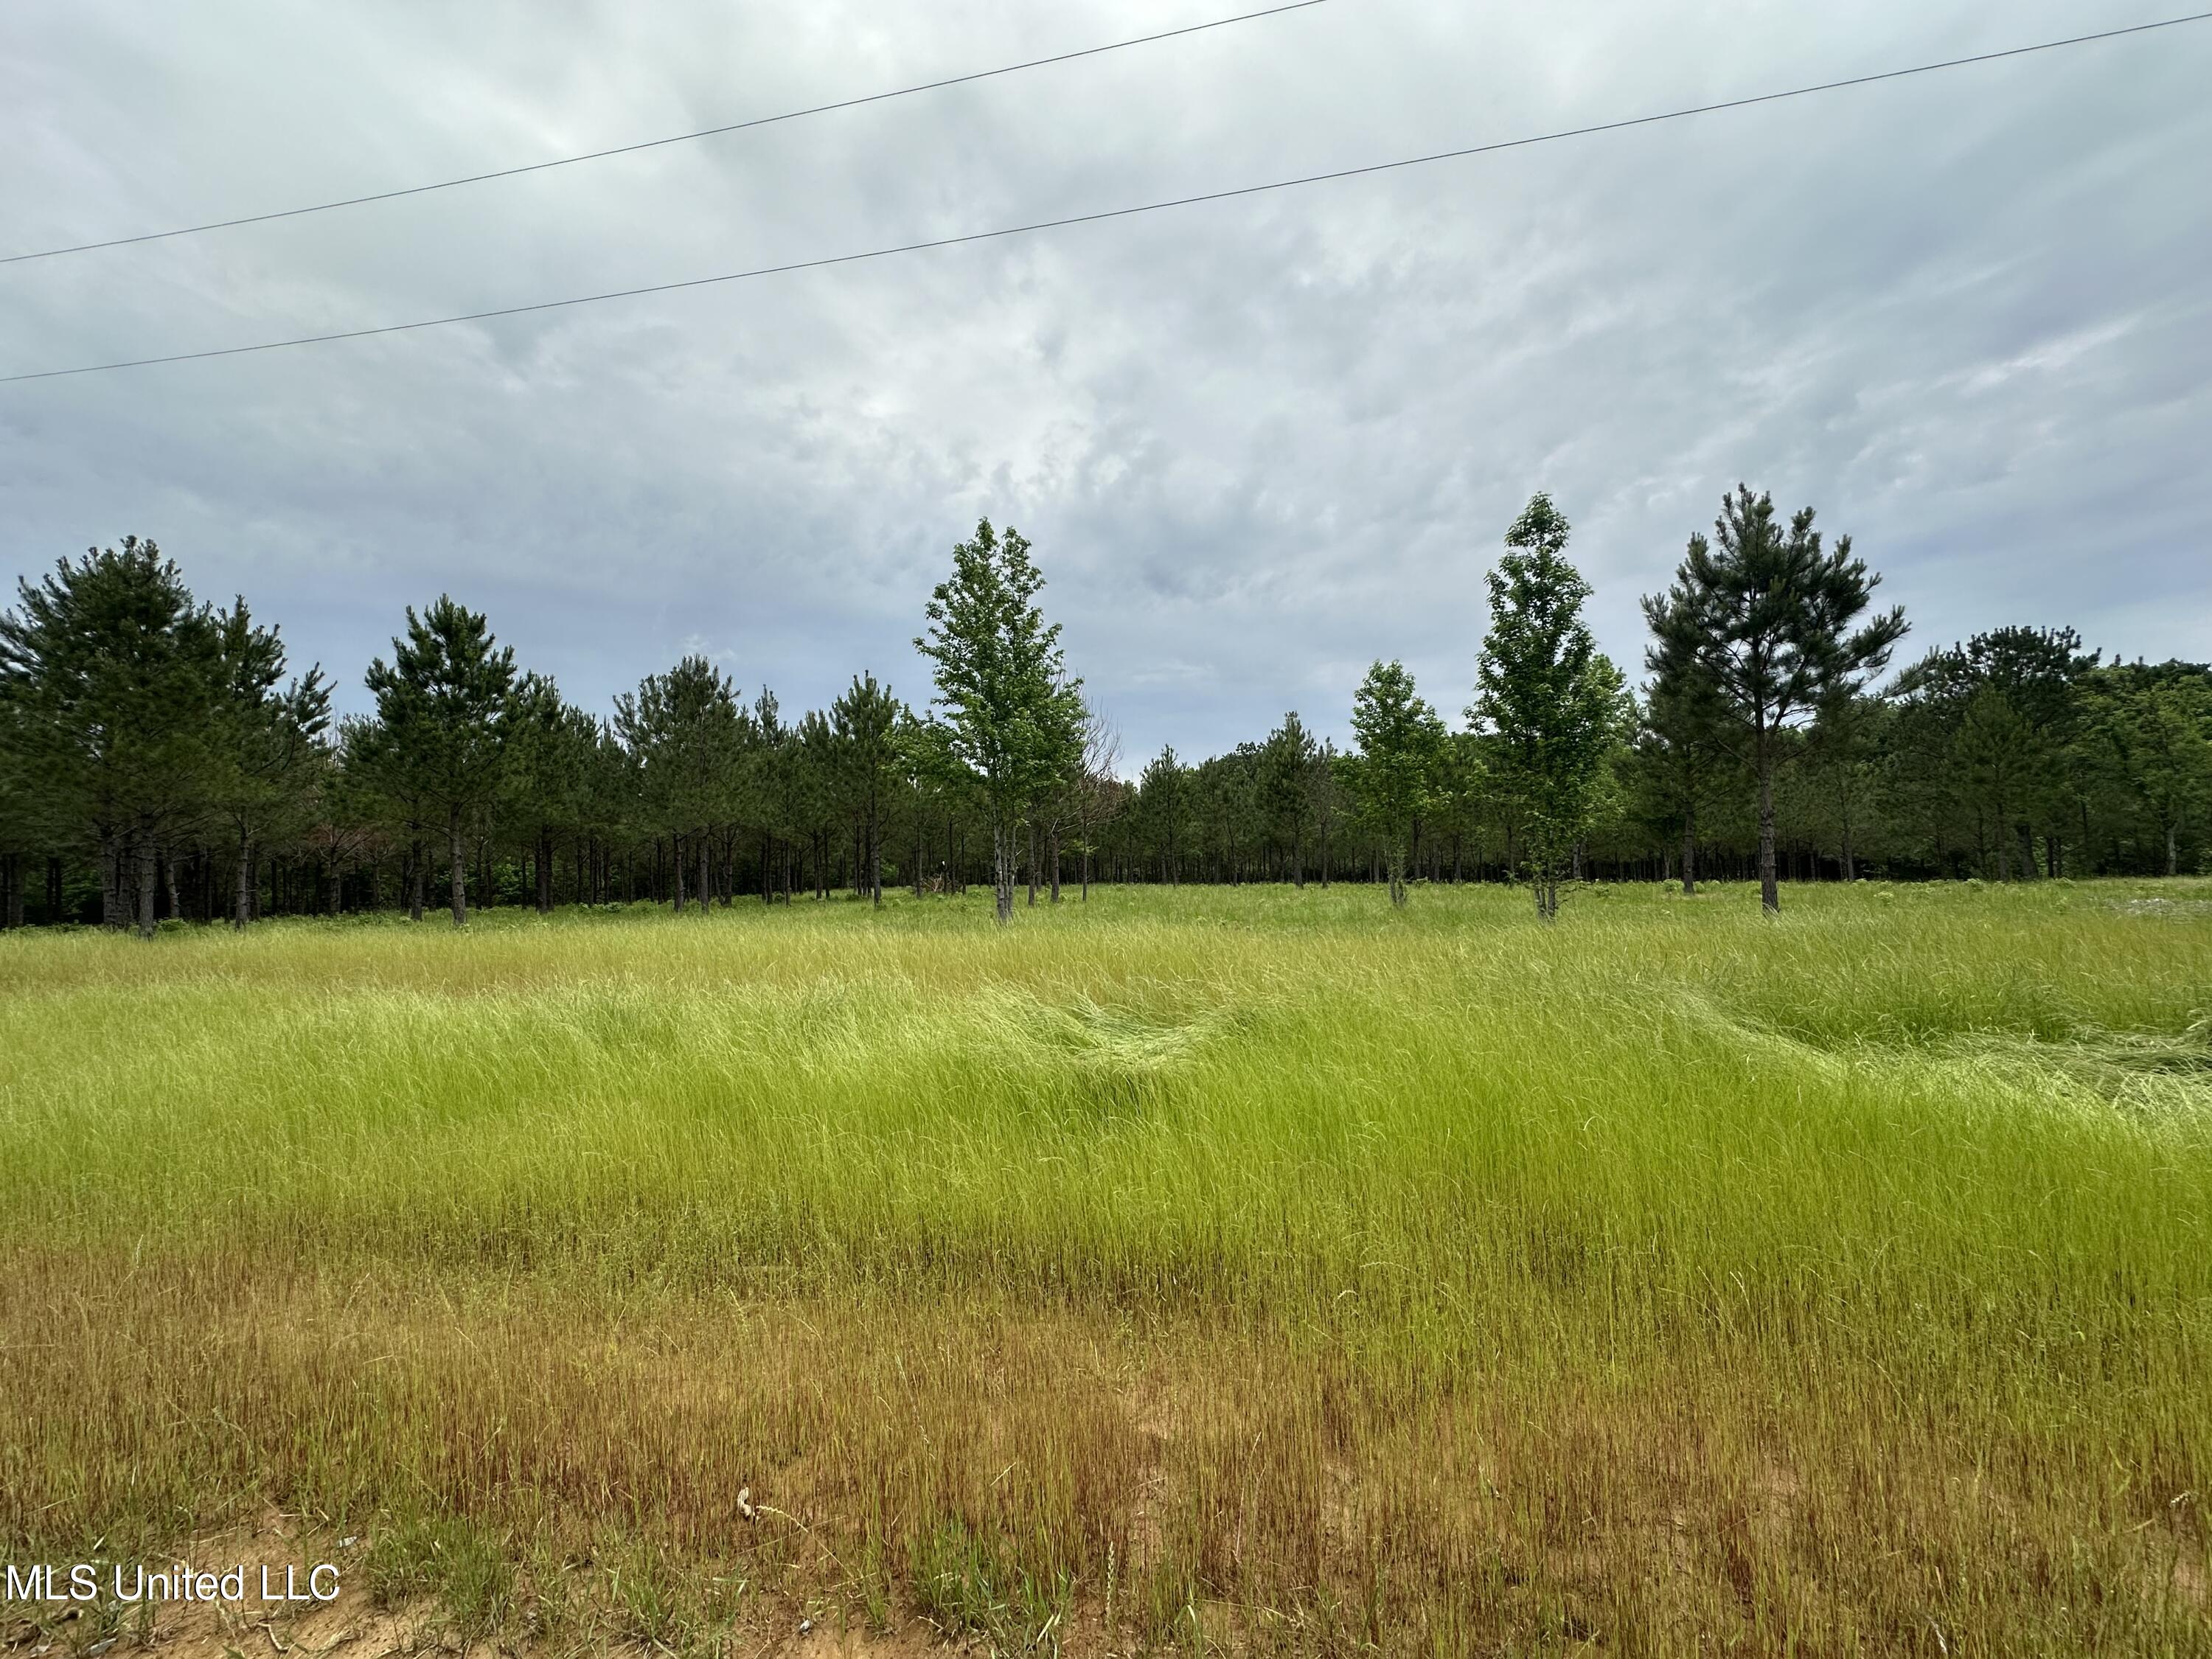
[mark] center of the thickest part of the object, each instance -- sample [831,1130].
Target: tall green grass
[1263,1099]
[1940,1157]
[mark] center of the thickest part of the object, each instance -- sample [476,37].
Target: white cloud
[1256,444]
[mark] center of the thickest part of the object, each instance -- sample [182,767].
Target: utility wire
[657,144]
[1110,213]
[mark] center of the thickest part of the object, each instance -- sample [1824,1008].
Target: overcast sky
[1966,316]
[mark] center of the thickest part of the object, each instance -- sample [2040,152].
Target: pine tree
[867,718]
[443,705]
[1766,614]
[1163,807]
[685,731]
[112,675]
[1286,788]
[266,740]
[1680,756]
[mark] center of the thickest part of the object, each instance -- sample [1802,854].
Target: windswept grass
[1308,1276]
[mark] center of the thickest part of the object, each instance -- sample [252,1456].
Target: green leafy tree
[1550,701]
[1389,779]
[1462,791]
[2157,727]
[1767,614]
[1011,714]
[443,705]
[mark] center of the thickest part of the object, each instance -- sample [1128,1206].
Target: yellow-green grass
[1303,1274]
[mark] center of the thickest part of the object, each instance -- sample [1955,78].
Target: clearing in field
[1212,1267]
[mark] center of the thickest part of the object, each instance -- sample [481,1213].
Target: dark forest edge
[160,762]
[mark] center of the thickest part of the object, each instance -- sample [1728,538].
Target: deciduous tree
[1390,778]
[1012,714]
[1552,704]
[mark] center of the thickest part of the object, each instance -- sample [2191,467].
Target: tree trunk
[1086,868]
[418,882]
[2173,850]
[460,867]
[242,893]
[1002,870]
[544,870]
[1690,850]
[702,874]
[875,860]
[1051,861]
[110,880]
[1770,892]
[149,880]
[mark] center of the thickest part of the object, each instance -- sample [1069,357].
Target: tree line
[161,761]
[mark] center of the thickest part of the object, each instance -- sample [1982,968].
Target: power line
[658,143]
[1110,213]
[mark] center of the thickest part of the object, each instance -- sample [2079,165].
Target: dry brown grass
[982,1468]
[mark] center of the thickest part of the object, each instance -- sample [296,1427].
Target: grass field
[1231,1268]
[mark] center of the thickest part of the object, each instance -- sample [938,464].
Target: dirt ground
[355,1627]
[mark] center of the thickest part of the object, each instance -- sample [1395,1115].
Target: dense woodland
[161,762]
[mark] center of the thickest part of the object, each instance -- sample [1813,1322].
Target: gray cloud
[1257,444]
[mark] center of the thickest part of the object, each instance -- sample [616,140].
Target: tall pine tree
[443,705]
[1766,614]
